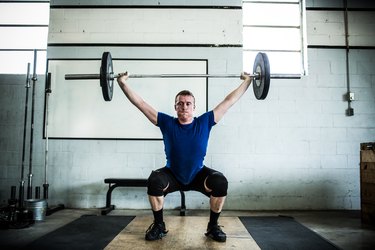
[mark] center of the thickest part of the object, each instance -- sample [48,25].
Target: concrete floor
[343,228]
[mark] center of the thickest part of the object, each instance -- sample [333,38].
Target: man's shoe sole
[224,239]
[158,238]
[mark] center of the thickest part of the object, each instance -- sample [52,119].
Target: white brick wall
[146,26]
[294,150]
[362,28]
[328,28]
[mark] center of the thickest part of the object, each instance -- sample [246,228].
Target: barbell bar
[112,77]
[261,75]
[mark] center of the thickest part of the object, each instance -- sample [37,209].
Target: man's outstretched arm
[232,98]
[136,100]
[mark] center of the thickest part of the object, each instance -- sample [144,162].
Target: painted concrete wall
[295,150]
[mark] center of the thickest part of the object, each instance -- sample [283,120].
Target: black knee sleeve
[218,184]
[156,182]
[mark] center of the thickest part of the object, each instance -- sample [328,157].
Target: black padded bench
[115,182]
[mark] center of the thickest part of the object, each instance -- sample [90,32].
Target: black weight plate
[106,79]
[261,84]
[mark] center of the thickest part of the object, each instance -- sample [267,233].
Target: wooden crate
[367,175]
[368,214]
[367,156]
[367,172]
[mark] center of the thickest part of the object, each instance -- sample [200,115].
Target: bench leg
[108,207]
[107,210]
[183,207]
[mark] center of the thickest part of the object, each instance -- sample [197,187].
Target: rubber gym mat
[283,232]
[87,232]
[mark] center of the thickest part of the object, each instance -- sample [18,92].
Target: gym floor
[343,228]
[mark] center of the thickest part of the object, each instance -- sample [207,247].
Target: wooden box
[367,175]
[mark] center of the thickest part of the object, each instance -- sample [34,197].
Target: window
[276,28]
[23,29]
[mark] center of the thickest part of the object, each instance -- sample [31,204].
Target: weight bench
[115,182]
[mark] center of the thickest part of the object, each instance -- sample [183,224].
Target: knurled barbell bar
[261,75]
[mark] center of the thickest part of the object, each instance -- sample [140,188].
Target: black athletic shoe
[215,233]
[156,231]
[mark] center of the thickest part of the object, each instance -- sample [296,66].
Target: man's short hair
[184,93]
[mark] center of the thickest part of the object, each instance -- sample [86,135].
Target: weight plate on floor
[261,84]
[106,76]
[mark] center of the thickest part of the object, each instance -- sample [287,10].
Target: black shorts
[174,185]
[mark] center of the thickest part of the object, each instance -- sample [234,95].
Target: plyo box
[367,178]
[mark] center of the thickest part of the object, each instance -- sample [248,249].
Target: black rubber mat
[281,232]
[86,232]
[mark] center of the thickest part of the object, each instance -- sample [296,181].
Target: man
[185,145]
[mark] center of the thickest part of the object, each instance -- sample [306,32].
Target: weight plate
[106,79]
[261,84]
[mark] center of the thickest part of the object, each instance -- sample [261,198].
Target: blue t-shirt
[185,146]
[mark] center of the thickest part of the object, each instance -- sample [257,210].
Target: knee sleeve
[218,184]
[156,182]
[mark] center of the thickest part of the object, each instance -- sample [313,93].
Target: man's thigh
[167,175]
[198,183]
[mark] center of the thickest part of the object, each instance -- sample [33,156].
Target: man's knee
[218,184]
[156,183]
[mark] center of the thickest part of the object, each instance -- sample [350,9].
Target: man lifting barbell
[185,137]
[185,145]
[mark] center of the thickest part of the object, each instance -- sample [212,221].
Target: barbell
[261,75]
